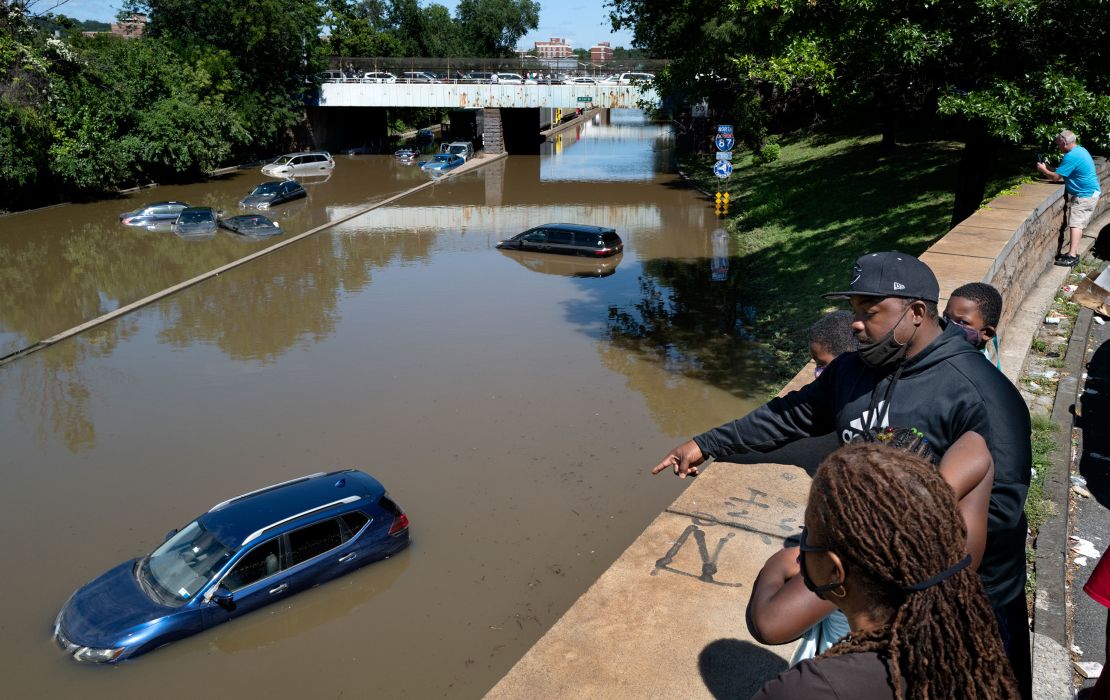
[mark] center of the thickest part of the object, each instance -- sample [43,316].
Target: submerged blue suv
[244,553]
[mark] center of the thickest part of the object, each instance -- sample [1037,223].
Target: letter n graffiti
[708,562]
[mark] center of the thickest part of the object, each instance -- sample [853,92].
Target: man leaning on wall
[1077,171]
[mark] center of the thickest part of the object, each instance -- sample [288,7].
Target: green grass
[799,223]
[1037,506]
[1039,345]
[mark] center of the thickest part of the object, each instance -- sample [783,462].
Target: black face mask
[887,352]
[816,590]
[971,335]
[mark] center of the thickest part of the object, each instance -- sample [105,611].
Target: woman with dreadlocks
[781,609]
[885,543]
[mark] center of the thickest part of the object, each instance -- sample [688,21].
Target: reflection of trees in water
[54,394]
[694,327]
[54,280]
[255,312]
[262,309]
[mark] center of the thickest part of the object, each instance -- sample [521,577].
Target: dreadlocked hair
[893,520]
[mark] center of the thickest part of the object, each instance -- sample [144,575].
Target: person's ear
[918,312]
[988,332]
[836,569]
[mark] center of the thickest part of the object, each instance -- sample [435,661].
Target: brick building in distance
[601,53]
[556,48]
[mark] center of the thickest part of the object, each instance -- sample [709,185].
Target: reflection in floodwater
[62,266]
[566,265]
[693,327]
[720,256]
[309,610]
[513,414]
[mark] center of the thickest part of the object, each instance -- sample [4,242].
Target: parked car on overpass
[417,76]
[581,80]
[514,79]
[378,77]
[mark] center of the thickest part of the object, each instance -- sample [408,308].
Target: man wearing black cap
[910,372]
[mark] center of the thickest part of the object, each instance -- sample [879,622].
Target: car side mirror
[170,534]
[224,598]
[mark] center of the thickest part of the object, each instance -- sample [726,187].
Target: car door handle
[349,557]
[279,589]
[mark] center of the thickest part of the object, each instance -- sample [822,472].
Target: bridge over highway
[509,117]
[485,95]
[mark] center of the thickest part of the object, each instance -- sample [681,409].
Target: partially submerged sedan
[153,213]
[244,553]
[441,163]
[271,194]
[567,239]
[195,222]
[254,225]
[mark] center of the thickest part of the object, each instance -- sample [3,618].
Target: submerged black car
[567,239]
[254,225]
[270,194]
[195,221]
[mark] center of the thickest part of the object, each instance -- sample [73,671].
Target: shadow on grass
[802,222]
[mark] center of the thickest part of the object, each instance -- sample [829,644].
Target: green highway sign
[587,98]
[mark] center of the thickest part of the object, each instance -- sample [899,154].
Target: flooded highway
[511,404]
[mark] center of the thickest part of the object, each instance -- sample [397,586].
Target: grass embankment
[799,223]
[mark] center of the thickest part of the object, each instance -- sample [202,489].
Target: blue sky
[581,22]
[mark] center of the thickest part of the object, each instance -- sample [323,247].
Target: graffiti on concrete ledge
[708,561]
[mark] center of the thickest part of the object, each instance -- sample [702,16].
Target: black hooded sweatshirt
[944,391]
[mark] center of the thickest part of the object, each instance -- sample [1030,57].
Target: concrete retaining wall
[1009,243]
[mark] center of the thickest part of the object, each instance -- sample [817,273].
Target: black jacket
[944,391]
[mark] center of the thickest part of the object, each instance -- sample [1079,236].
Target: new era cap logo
[899,285]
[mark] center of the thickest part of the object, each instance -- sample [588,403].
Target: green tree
[269,50]
[493,27]
[1002,72]
[360,28]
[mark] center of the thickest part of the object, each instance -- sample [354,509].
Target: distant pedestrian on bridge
[1081,187]
[884,542]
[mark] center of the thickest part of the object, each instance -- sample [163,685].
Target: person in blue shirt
[1077,171]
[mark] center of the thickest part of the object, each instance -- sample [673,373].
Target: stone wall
[1009,243]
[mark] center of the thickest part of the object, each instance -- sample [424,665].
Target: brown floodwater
[512,404]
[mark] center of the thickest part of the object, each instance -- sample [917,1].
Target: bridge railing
[478,70]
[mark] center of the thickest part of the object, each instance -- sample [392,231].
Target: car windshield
[194,217]
[444,158]
[283,160]
[177,570]
[267,188]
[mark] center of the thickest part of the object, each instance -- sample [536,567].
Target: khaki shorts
[1080,210]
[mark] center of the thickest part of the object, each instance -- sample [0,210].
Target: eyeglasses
[803,547]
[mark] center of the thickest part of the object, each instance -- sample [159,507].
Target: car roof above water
[580,228]
[235,519]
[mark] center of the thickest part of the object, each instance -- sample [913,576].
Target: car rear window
[314,540]
[354,521]
[587,238]
[267,188]
[611,237]
[193,217]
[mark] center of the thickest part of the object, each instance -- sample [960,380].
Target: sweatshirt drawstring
[872,418]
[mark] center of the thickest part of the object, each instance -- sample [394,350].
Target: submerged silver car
[293,164]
